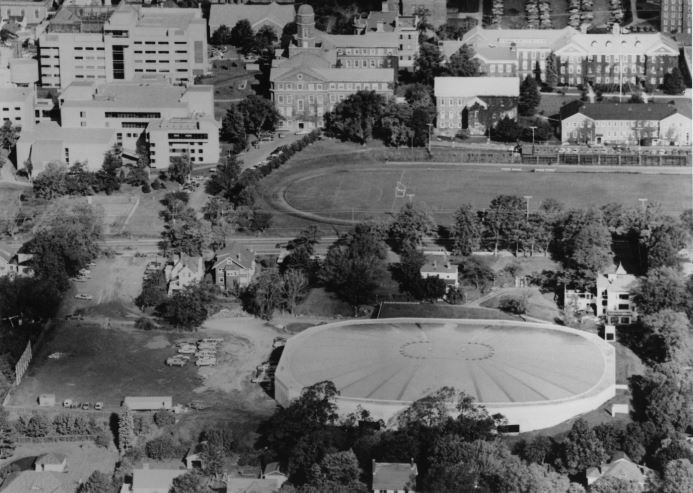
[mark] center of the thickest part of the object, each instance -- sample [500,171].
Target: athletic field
[359,191]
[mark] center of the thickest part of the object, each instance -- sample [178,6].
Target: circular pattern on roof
[405,359]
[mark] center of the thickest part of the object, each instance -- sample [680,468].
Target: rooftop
[52,134]
[524,38]
[12,94]
[234,257]
[619,44]
[51,458]
[155,479]
[393,476]
[335,74]
[476,86]
[229,14]
[368,40]
[34,482]
[616,279]
[181,123]
[126,95]
[621,111]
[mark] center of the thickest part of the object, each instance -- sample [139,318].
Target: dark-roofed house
[234,266]
[624,123]
[390,477]
[437,264]
[620,467]
[51,462]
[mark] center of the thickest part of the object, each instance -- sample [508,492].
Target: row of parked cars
[86,406]
[204,351]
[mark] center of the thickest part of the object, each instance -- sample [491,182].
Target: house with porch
[437,264]
[234,267]
[614,299]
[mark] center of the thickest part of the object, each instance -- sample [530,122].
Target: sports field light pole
[527,199]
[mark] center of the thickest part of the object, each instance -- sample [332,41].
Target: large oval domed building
[536,375]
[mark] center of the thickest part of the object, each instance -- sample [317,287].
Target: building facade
[183,272]
[614,296]
[17,107]
[116,43]
[675,16]
[625,123]
[390,21]
[303,93]
[616,58]
[474,104]
[234,267]
[25,11]
[147,110]
[438,9]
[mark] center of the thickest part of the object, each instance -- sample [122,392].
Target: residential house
[620,467]
[184,271]
[234,266]
[616,58]
[34,482]
[273,472]
[474,104]
[251,485]
[148,403]
[624,123]
[5,265]
[147,480]
[392,477]
[271,14]
[614,296]
[675,16]
[21,265]
[51,462]
[107,43]
[437,264]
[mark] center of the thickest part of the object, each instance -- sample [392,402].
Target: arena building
[536,375]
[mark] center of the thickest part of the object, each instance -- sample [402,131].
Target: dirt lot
[82,458]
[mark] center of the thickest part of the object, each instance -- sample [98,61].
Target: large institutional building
[675,16]
[117,43]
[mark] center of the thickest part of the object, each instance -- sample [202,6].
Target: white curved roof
[406,359]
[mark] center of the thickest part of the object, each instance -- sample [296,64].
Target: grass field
[359,192]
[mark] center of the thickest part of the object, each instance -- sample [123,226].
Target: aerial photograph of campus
[346,246]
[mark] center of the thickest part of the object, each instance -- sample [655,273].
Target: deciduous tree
[582,448]
[428,63]
[98,482]
[259,114]
[662,288]
[356,117]
[462,63]
[190,482]
[126,434]
[242,36]
[180,168]
[673,82]
[678,477]
[233,129]
[466,230]
[410,226]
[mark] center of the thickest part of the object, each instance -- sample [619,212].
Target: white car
[98,406]
[216,340]
[187,350]
[206,362]
[84,296]
[67,403]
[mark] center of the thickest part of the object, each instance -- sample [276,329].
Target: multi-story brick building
[390,21]
[675,16]
[506,49]
[437,9]
[116,43]
[305,87]
[624,123]
[615,58]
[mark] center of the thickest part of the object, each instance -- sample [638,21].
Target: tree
[673,82]
[265,38]
[51,182]
[529,97]
[410,227]
[428,63]
[190,482]
[582,448]
[264,294]
[7,444]
[126,433]
[462,63]
[394,127]
[431,410]
[466,230]
[180,168]
[551,78]
[188,307]
[503,219]
[225,182]
[294,287]
[9,135]
[338,467]
[222,36]
[678,477]
[660,289]
[259,114]
[668,336]
[356,117]
[506,130]
[233,129]
[476,272]
[611,484]
[663,245]
[355,264]
[97,482]
[242,36]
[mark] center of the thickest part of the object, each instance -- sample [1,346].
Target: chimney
[411,462]
[583,28]
[385,6]
[615,29]
[380,26]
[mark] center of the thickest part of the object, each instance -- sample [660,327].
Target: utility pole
[643,203]
[527,199]
[533,128]
[430,125]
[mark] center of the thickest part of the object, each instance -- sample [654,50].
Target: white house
[152,480]
[183,271]
[614,298]
[148,403]
[51,461]
[620,467]
[438,265]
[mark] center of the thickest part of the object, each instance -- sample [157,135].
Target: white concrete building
[48,142]
[614,297]
[147,106]
[29,12]
[17,106]
[117,43]
[438,265]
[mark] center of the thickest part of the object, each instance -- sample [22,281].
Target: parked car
[187,349]
[67,403]
[84,296]
[279,342]
[85,406]
[216,340]
[98,406]
[206,362]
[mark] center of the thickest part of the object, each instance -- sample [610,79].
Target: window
[623,296]
[300,105]
[624,306]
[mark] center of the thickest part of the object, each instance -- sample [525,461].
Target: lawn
[9,200]
[359,192]
[431,310]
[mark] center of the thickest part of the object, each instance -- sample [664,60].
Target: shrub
[144,323]
[164,418]
[162,448]
[146,188]
[103,438]
[513,304]
[38,426]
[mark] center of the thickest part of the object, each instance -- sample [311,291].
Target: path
[130,214]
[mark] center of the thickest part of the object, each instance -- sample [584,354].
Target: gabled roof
[460,87]
[387,18]
[622,467]
[621,111]
[368,40]
[33,482]
[334,74]
[438,264]
[522,38]
[617,280]
[619,44]
[229,14]
[393,476]
[155,478]
[496,53]
[50,458]
[234,257]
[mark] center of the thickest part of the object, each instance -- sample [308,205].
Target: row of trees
[242,36]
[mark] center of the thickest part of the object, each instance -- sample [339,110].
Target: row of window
[363,63]
[160,42]
[365,51]
[89,48]
[339,86]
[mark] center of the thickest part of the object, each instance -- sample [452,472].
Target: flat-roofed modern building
[128,107]
[17,106]
[117,43]
[197,138]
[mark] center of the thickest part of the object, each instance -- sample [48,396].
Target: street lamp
[430,126]
[533,128]
[527,199]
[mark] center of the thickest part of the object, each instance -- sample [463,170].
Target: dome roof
[305,9]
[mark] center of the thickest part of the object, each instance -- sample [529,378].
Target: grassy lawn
[431,310]
[538,305]
[9,200]
[360,192]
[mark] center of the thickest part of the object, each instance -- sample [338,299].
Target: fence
[56,438]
